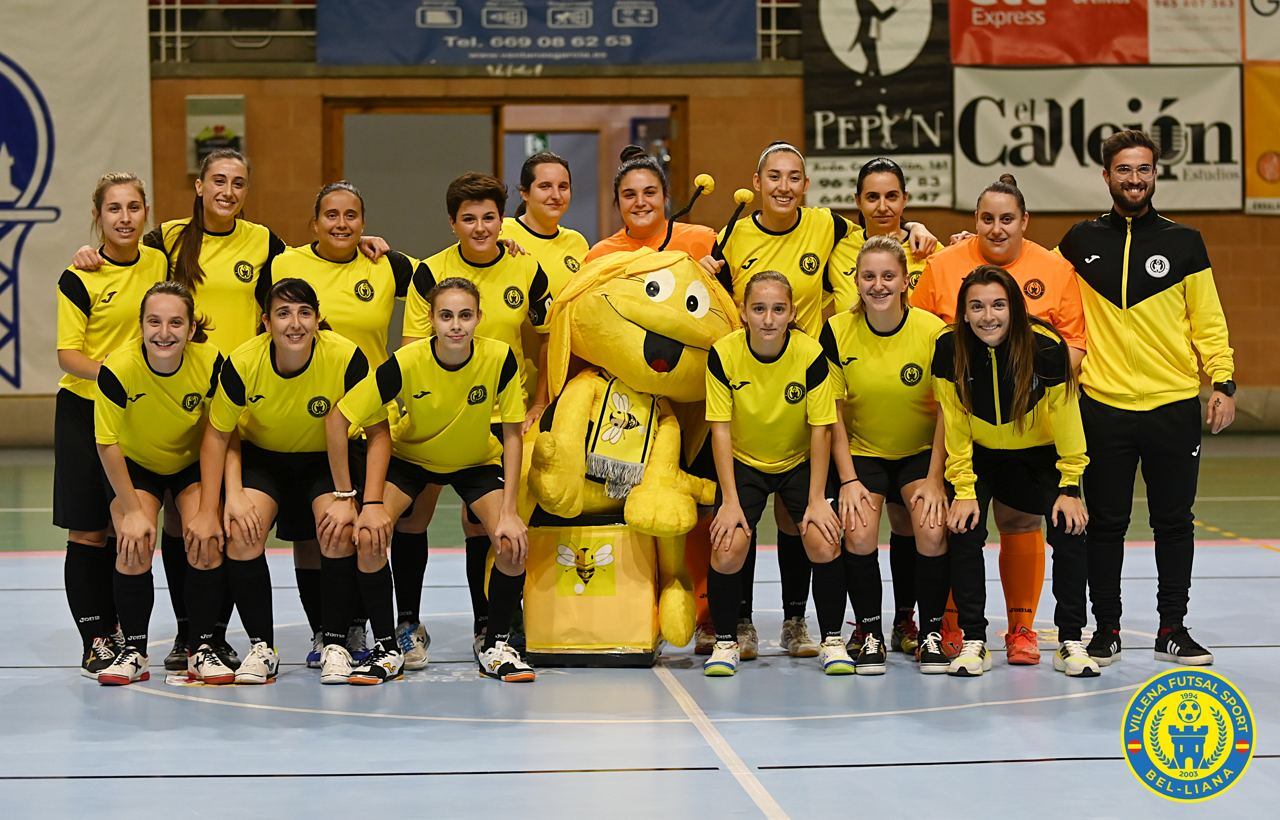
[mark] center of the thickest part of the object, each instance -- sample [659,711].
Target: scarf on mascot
[618,446]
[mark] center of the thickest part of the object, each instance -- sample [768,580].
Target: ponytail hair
[882,244]
[172,287]
[453,283]
[186,265]
[108,181]
[879,165]
[776,277]
[1005,185]
[635,158]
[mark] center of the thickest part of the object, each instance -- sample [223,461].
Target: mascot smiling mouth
[660,352]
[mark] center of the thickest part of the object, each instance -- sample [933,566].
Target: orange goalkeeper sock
[1022,576]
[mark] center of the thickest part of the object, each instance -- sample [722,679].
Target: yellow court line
[1233,536]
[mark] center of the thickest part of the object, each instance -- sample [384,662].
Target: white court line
[50,509]
[741,773]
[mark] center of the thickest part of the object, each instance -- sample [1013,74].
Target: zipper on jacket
[1124,307]
[995,383]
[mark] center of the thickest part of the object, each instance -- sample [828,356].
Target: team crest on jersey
[809,263]
[1034,288]
[913,279]
[244,271]
[364,290]
[1188,734]
[318,406]
[1157,266]
[571,264]
[911,374]
[513,296]
[477,394]
[794,393]
[191,401]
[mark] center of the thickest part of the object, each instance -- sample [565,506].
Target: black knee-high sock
[250,583]
[794,570]
[135,597]
[224,614]
[105,586]
[375,591]
[828,596]
[862,574]
[933,584]
[311,593]
[409,569]
[746,583]
[902,565]
[723,590]
[477,554]
[173,553]
[80,577]
[341,595]
[504,596]
[205,590]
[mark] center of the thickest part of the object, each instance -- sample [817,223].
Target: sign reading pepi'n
[1047,127]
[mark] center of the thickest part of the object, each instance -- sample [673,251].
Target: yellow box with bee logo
[590,596]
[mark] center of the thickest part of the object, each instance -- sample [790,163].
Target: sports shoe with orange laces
[1022,647]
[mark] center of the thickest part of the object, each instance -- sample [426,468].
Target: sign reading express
[534,33]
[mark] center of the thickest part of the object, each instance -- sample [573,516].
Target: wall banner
[60,129]
[877,82]
[1262,139]
[1262,30]
[1084,32]
[1046,126]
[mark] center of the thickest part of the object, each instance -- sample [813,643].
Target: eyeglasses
[1142,171]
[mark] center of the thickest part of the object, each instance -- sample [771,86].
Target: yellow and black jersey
[98,310]
[156,418]
[512,289]
[357,296]
[447,409]
[234,285]
[800,253]
[560,254]
[883,379]
[844,264]
[1055,413]
[1151,307]
[285,413]
[771,404]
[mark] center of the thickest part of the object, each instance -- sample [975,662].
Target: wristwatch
[1227,388]
[1070,490]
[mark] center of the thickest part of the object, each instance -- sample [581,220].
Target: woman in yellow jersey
[1013,433]
[514,289]
[640,194]
[97,314]
[449,385]
[276,389]
[771,409]
[150,406]
[879,353]
[1052,292]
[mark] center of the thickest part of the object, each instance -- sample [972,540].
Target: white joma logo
[1091,258]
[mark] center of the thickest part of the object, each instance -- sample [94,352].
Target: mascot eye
[659,285]
[696,299]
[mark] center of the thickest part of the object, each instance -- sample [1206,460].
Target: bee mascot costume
[605,471]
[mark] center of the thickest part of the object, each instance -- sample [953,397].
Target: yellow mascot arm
[558,467]
[665,502]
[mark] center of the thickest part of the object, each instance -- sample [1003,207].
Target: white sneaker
[796,639]
[724,660]
[335,664]
[1073,658]
[205,666]
[973,660]
[129,666]
[834,657]
[382,665]
[413,641]
[503,662]
[260,666]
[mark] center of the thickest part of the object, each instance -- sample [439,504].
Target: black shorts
[157,484]
[888,476]
[470,483]
[1026,480]
[496,429]
[293,481]
[79,484]
[755,487]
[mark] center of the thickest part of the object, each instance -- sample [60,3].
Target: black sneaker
[176,660]
[1104,646]
[1177,646]
[227,653]
[382,665]
[933,661]
[871,657]
[98,656]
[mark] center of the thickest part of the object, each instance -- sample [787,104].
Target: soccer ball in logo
[318,407]
[1189,711]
